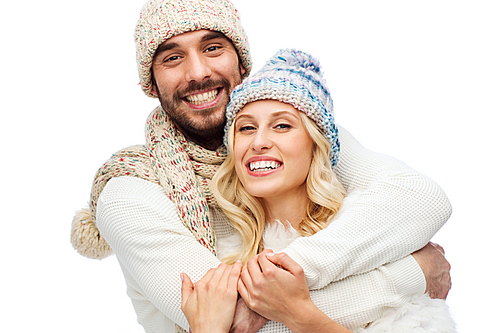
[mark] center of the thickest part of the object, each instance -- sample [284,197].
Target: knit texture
[183,169]
[162,19]
[397,212]
[293,77]
[420,314]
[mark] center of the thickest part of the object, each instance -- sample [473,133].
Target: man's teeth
[202,98]
[264,165]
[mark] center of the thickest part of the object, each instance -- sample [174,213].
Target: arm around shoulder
[395,212]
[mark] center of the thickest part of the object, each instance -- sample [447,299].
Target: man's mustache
[201,86]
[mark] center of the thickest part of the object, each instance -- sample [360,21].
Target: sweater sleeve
[153,247]
[397,212]
[360,299]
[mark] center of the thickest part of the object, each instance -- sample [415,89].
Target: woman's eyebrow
[280,113]
[242,117]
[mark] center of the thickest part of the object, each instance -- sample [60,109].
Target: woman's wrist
[311,319]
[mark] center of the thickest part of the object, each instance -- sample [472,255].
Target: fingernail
[238,260]
[182,277]
[270,254]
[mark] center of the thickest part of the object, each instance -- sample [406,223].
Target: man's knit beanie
[163,19]
[293,77]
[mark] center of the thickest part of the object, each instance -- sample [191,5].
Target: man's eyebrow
[212,35]
[165,47]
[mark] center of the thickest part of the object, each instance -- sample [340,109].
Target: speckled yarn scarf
[182,168]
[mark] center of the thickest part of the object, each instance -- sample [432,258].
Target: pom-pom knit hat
[293,77]
[164,19]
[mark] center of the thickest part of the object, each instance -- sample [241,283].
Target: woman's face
[272,150]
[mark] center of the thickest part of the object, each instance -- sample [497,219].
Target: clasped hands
[273,287]
[212,304]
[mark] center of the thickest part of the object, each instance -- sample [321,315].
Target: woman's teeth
[202,98]
[264,165]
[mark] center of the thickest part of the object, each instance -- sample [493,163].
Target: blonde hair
[246,214]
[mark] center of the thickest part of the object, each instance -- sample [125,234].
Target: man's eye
[174,58]
[212,48]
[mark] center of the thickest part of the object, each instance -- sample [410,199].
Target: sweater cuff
[407,276]
[311,274]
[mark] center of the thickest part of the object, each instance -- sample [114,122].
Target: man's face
[194,74]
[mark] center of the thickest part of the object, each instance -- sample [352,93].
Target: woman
[277,184]
[280,170]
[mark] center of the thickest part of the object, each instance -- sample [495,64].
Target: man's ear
[154,91]
[242,70]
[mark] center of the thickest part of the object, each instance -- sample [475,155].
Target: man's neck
[210,142]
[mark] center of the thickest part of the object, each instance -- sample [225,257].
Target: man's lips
[203,99]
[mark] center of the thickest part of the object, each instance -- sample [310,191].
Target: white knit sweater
[397,212]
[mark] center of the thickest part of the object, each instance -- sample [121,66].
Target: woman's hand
[209,304]
[274,286]
[277,293]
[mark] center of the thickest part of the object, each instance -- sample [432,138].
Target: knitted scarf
[182,168]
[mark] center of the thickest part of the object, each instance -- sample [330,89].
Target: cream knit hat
[163,19]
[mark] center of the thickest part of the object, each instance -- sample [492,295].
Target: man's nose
[197,68]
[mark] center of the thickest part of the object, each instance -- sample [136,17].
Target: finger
[266,251]
[245,278]
[206,278]
[224,276]
[253,268]
[234,276]
[266,266]
[286,262]
[221,274]
[243,291]
[187,288]
[438,247]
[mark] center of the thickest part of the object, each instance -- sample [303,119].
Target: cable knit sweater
[397,212]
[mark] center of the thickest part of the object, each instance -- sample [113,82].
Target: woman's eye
[246,128]
[283,126]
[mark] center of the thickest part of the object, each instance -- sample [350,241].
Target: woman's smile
[272,150]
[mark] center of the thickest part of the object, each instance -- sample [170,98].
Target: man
[152,204]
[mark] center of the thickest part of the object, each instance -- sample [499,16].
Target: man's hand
[436,270]
[246,320]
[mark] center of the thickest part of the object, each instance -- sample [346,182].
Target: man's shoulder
[128,187]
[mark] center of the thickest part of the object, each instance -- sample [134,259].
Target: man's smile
[205,98]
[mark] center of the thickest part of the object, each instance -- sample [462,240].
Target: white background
[418,80]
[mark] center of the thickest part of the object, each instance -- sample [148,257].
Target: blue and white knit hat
[293,77]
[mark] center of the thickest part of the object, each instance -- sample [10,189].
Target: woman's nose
[261,141]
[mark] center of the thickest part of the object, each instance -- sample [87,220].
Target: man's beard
[211,129]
